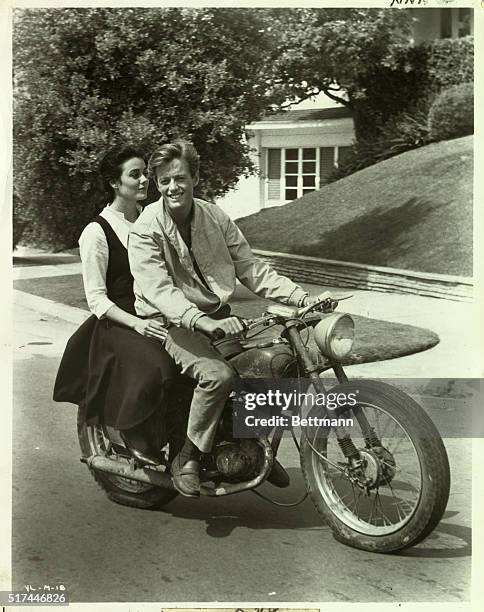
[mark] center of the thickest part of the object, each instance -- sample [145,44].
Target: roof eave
[272,125]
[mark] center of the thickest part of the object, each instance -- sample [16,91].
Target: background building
[295,151]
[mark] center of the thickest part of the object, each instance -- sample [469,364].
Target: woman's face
[133,182]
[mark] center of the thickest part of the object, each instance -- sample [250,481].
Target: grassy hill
[413,211]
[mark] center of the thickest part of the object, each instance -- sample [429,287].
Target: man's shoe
[142,457]
[186,476]
[278,476]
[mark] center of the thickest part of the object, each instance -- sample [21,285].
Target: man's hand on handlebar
[232,326]
[314,299]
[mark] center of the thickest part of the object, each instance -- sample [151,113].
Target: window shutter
[326,163]
[274,174]
[343,155]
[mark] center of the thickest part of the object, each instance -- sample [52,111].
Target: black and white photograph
[246,329]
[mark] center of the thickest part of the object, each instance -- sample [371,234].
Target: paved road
[235,549]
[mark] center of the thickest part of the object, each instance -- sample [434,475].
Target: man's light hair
[179,149]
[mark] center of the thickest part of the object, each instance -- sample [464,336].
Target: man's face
[176,185]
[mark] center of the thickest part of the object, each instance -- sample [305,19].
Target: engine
[238,460]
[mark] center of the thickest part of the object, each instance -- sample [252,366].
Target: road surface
[240,548]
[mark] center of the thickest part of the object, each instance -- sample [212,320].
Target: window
[292,172]
[296,171]
[299,172]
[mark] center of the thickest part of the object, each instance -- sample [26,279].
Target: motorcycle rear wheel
[124,491]
[411,476]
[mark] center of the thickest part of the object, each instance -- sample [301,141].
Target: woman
[115,366]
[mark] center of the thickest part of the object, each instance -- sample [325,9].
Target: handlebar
[328,305]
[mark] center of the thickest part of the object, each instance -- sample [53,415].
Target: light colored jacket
[166,281]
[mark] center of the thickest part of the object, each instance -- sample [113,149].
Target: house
[298,150]
[295,151]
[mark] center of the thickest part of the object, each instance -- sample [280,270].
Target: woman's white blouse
[94,252]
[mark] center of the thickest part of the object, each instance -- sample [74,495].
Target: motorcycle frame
[270,447]
[312,370]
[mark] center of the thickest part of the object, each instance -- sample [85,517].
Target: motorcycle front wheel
[94,440]
[396,493]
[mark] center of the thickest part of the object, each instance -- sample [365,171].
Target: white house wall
[249,196]
[245,199]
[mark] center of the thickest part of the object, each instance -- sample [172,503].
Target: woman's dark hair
[111,164]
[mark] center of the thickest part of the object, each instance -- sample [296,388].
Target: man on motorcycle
[185,255]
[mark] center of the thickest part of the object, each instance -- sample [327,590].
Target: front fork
[369,434]
[343,437]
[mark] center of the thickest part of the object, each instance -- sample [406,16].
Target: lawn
[413,211]
[375,340]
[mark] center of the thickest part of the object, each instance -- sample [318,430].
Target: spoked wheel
[95,440]
[395,494]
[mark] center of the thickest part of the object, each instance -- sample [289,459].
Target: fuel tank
[275,361]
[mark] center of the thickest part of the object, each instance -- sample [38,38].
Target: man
[185,255]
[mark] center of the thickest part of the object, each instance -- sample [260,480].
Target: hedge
[418,74]
[452,113]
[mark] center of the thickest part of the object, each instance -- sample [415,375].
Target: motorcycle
[381,485]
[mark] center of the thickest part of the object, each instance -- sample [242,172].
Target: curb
[458,389]
[321,271]
[45,306]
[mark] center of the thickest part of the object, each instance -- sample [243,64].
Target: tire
[413,450]
[92,440]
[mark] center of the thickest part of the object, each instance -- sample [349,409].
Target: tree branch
[327,92]
[302,99]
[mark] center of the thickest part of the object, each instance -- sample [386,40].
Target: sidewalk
[456,356]
[33,263]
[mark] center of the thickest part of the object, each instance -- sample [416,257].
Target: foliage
[397,113]
[340,52]
[362,59]
[401,133]
[452,113]
[87,78]
[450,62]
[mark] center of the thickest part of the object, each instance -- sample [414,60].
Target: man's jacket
[166,281]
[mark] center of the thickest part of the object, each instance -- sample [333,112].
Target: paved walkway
[456,356]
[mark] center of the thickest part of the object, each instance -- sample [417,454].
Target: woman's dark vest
[71,380]
[119,280]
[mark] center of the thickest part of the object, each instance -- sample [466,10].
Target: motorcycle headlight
[335,335]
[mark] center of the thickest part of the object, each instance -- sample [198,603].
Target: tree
[343,53]
[87,78]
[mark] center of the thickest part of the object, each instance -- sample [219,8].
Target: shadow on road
[223,516]
[245,511]
[438,546]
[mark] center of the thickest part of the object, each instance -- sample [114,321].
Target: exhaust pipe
[150,475]
[157,478]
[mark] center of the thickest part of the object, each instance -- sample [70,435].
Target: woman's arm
[94,253]
[146,327]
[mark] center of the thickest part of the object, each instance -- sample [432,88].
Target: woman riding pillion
[115,366]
